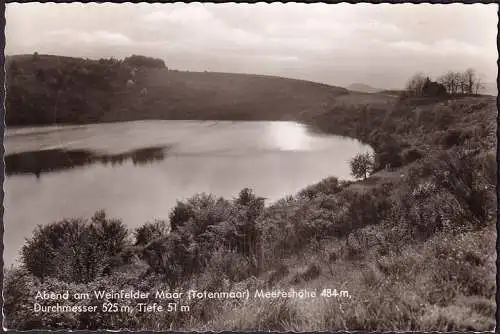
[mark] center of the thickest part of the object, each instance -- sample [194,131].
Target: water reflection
[46,161]
[290,136]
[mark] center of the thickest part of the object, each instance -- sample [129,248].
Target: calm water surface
[137,170]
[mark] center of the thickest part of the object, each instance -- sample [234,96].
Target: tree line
[143,61]
[468,82]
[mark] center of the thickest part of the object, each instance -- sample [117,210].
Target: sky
[379,45]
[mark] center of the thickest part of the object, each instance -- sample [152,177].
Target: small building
[130,83]
[144,91]
[433,89]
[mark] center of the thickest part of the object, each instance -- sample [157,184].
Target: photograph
[250,166]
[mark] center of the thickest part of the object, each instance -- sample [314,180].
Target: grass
[395,292]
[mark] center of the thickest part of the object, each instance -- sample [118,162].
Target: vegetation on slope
[58,90]
[413,244]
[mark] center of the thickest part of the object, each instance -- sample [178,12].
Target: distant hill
[362,88]
[46,89]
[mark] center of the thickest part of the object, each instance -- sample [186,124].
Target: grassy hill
[73,90]
[413,245]
[363,88]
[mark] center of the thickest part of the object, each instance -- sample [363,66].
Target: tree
[462,82]
[478,86]
[470,77]
[457,78]
[361,165]
[415,84]
[143,61]
[450,80]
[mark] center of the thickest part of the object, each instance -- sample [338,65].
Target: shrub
[411,155]
[19,286]
[180,214]
[151,231]
[456,137]
[328,186]
[463,262]
[201,227]
[40,253]
[285,227]
[75,250]
[363,208]
[462,178]
[226,263]
[174,256]
[447,192]
[388,154]
[198,212]
[111,234]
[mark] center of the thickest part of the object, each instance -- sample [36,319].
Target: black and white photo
[250,167]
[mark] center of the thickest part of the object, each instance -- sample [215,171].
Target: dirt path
[380,177]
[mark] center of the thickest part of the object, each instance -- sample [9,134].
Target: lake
[137,171]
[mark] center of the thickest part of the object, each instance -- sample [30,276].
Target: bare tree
[478,86]
[415,84]
[456,82]
[451,81]
[461,82]
[470,78]
[447,81]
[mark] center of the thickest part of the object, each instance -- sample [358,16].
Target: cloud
[446,47]
[99,37]
[180,15]
[380,44]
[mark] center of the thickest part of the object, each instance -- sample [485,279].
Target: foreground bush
[151,231]
[202,227]
[75,250]
[446,193]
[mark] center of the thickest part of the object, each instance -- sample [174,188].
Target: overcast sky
[380,45]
